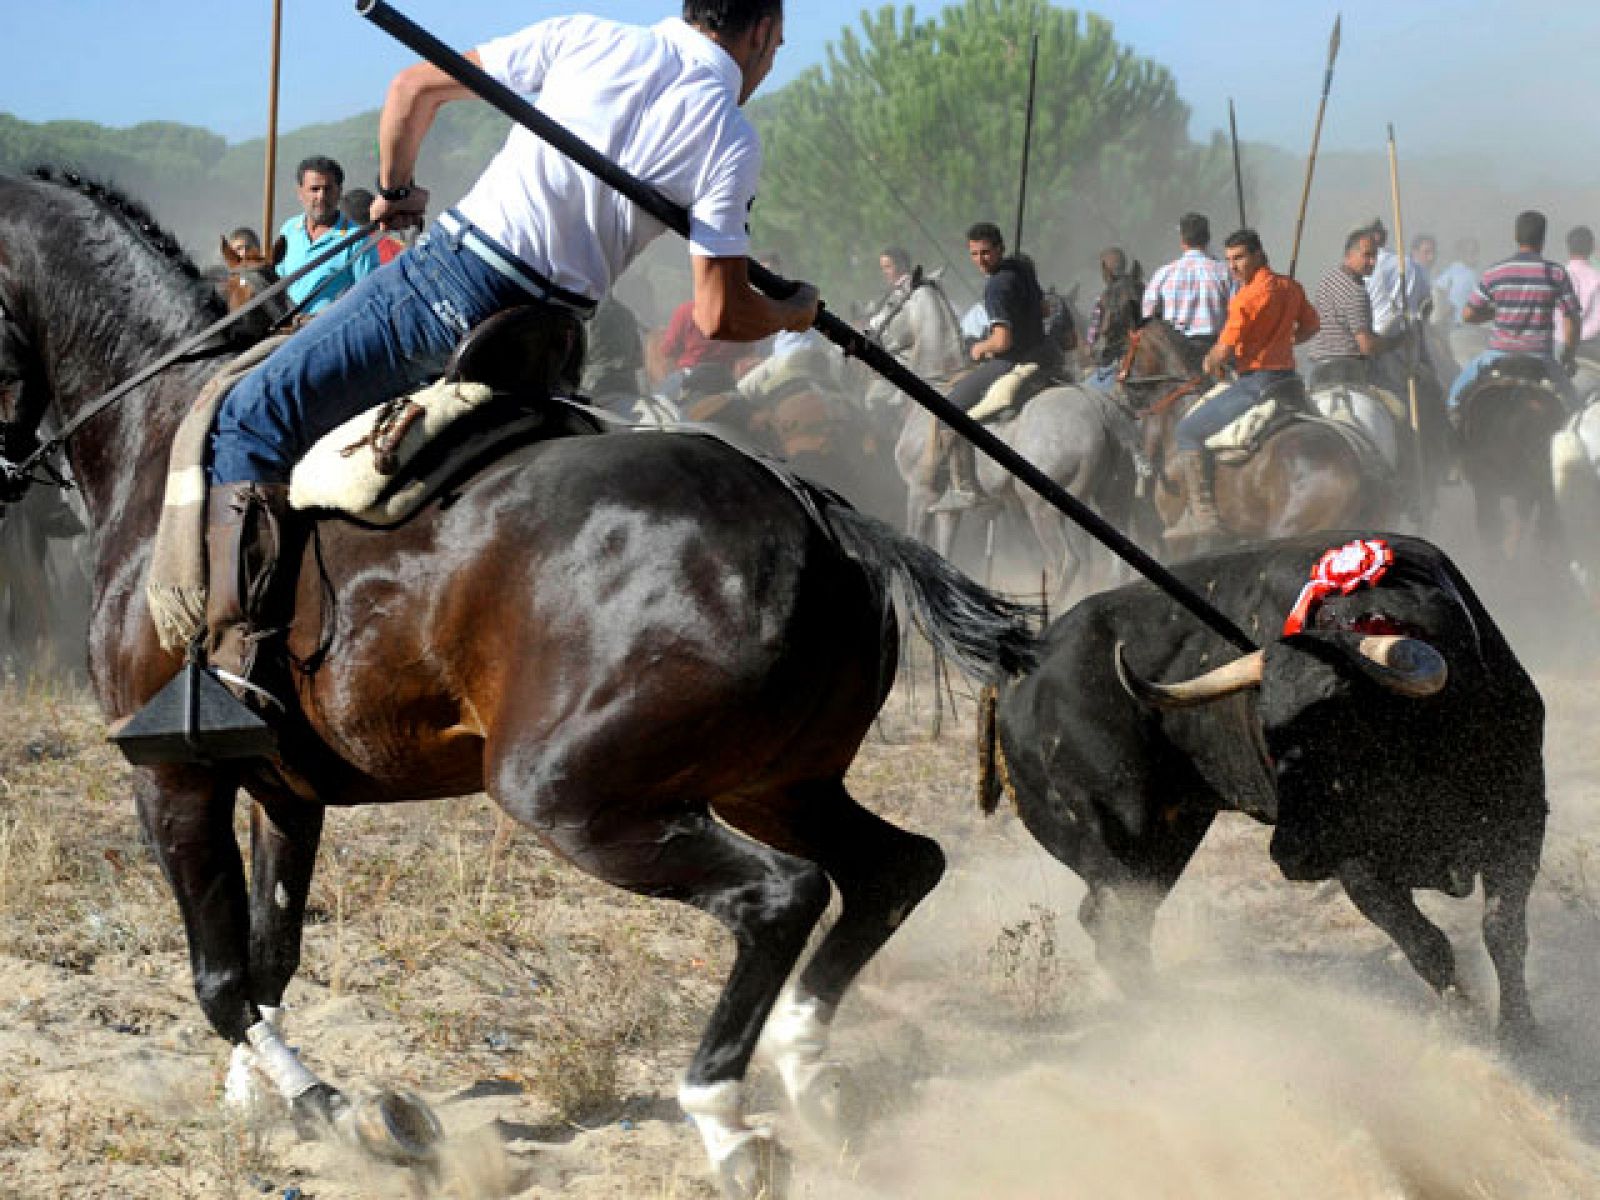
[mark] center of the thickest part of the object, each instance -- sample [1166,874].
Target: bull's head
[1356,730]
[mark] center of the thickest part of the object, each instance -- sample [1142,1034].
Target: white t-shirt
[660,102]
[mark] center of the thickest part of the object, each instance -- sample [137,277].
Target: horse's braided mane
[132,213]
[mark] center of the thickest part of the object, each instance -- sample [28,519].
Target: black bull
[1423,773]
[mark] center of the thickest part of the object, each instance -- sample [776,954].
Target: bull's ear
[280,250]
[229,254]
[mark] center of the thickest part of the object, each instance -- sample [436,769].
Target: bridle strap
[182,353]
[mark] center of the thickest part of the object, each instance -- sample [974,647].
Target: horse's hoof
[318,1112]
[827,1104]
[756,1167]
[397,1127]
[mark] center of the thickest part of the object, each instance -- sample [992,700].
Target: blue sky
[1455,76]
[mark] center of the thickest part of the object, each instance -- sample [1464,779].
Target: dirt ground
[1289,1051]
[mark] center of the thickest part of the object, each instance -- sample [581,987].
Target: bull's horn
[1226,680]
[1406,666]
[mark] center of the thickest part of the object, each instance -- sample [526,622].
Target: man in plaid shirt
[1191,293]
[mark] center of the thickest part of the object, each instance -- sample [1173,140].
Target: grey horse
[1072,433]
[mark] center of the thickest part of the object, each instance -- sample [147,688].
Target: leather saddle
[502,390]
[531,350]
[1519,368]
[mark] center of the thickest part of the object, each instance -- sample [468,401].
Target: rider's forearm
[414,99]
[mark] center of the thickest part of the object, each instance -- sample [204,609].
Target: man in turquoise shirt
[319,183]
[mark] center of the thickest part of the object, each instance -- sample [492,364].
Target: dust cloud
[1284,1049]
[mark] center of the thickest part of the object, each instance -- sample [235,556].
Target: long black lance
[1027,140]
[850,340]
[866,155]
[1316,138]
[1238,171]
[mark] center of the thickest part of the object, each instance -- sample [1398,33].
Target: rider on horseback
[535,230]
[1267,317]
[1343,349]
[1015,304]
[1522,295]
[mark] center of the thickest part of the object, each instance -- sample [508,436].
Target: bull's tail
[988,637]
[991,759]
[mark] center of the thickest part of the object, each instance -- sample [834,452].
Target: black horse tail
[988,637]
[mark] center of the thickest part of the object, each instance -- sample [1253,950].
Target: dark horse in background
[1305,476]
[647,648]
[1508,418]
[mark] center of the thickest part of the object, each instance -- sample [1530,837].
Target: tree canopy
[913,130]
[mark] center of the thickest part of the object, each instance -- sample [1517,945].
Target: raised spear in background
[1027,142]
[1411,333]
[1238,172]
[1316,137]
[272,128]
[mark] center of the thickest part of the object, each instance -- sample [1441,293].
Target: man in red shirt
[705,367]
[1268,316]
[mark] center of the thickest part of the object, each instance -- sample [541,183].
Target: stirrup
[194,719]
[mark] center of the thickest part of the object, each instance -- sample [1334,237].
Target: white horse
[1070,433]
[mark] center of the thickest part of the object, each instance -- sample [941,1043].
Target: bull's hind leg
[882,872]
[1507,883]
[770,901]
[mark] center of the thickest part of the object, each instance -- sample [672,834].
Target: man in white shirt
[663,102]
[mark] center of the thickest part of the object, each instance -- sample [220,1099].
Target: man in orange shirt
[1268,316]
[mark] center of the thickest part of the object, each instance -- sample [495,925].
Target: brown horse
[1306,476]
[249,274]
[647,648]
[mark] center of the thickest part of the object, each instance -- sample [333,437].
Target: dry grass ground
[547,1016]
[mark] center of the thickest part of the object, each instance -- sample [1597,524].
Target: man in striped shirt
[1523,295]
[1343,349]
[1191,293]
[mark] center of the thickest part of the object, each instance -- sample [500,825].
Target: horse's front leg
[188,818]
[284,835]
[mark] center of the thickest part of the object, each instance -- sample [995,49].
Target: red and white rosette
[1340,571]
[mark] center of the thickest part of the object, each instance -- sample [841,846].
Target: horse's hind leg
[770,901]
[882,872]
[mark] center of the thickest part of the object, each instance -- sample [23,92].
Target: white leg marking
[717,1110]
[279,1063]
[796,1041]
[242,1091]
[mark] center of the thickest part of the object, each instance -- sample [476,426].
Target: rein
[16,478]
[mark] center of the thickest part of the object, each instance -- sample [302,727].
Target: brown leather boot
[1199,520]
[253,546]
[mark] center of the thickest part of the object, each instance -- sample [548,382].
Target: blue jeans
[1217,413]
[1104,378]
[1474,369]
[391,333]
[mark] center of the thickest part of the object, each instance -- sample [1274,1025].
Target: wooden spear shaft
[1410,348]
[1238,170]
[1316,138]
[272,128]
